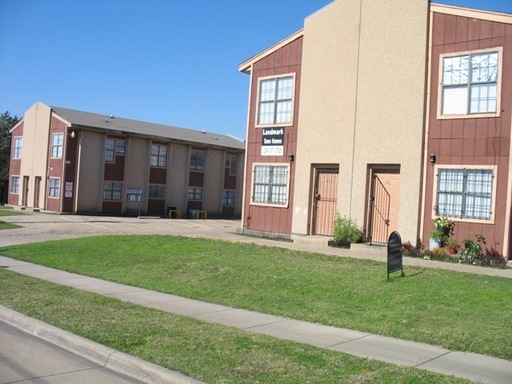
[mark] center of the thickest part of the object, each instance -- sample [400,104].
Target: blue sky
[172,62]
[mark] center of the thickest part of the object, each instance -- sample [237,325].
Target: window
[114,147]
[197,160]
[195,193]
[57,141]
[120,146]
[470,83]
[228,198]
[109,150]
[156,191]
[15,184]
[270,185]
[232,164]
[112,190]
[465,193]
[275,101]
[158,155]
[54,190]
[16,152]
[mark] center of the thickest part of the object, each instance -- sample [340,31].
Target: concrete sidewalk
[471,366]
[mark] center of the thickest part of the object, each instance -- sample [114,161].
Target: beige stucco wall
[136,171]
[214,181]
[362,102]
[90,171]
[34,151]
[178,176]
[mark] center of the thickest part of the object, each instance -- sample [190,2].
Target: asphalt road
[25,358]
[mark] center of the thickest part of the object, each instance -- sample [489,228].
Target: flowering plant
[444,224]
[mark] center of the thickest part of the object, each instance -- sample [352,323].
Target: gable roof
[119,125]
[472,13]
[246,66]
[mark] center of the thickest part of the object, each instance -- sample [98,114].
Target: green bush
[346,231]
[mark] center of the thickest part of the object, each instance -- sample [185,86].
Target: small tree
[6,123]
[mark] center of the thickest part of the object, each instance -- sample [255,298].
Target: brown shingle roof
[80,119]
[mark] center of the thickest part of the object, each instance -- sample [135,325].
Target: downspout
[355,109]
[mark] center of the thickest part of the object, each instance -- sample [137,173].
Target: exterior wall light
[291,157]
[432,158]
[73,134]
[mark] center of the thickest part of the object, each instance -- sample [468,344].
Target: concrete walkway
[471,366]
[41,227]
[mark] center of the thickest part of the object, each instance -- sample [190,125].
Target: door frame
[371,171]
[316,169]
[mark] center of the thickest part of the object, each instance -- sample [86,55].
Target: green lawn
[208,352]
[9,211]
[457,311]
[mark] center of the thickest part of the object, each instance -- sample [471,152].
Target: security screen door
[325,201]
[384,204]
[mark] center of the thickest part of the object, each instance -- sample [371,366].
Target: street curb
[112,359]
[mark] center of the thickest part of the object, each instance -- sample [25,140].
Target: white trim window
[197,160]
[54,188]
[16,148]
[57,142]
[275,100]
[270,184]
[465,193]
[158,155]
[470,83]
[112,190]
[15,184]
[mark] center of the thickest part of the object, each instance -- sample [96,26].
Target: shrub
[492,258]
[346,231]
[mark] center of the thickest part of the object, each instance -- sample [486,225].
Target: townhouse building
[389,121]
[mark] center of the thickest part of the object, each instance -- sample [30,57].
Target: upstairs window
[109,150]
[57,141]
[470,83]
[16,150]
[158,155]
[465,193]
[197,160]
[232,164]
[275,101]
[270,185]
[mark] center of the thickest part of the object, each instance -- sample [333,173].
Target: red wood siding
[15,167]
[471,141]
[286,60]
[55,165]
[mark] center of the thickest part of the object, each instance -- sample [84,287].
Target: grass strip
[457,311]
[9,211]
[209,352]
[4,225]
